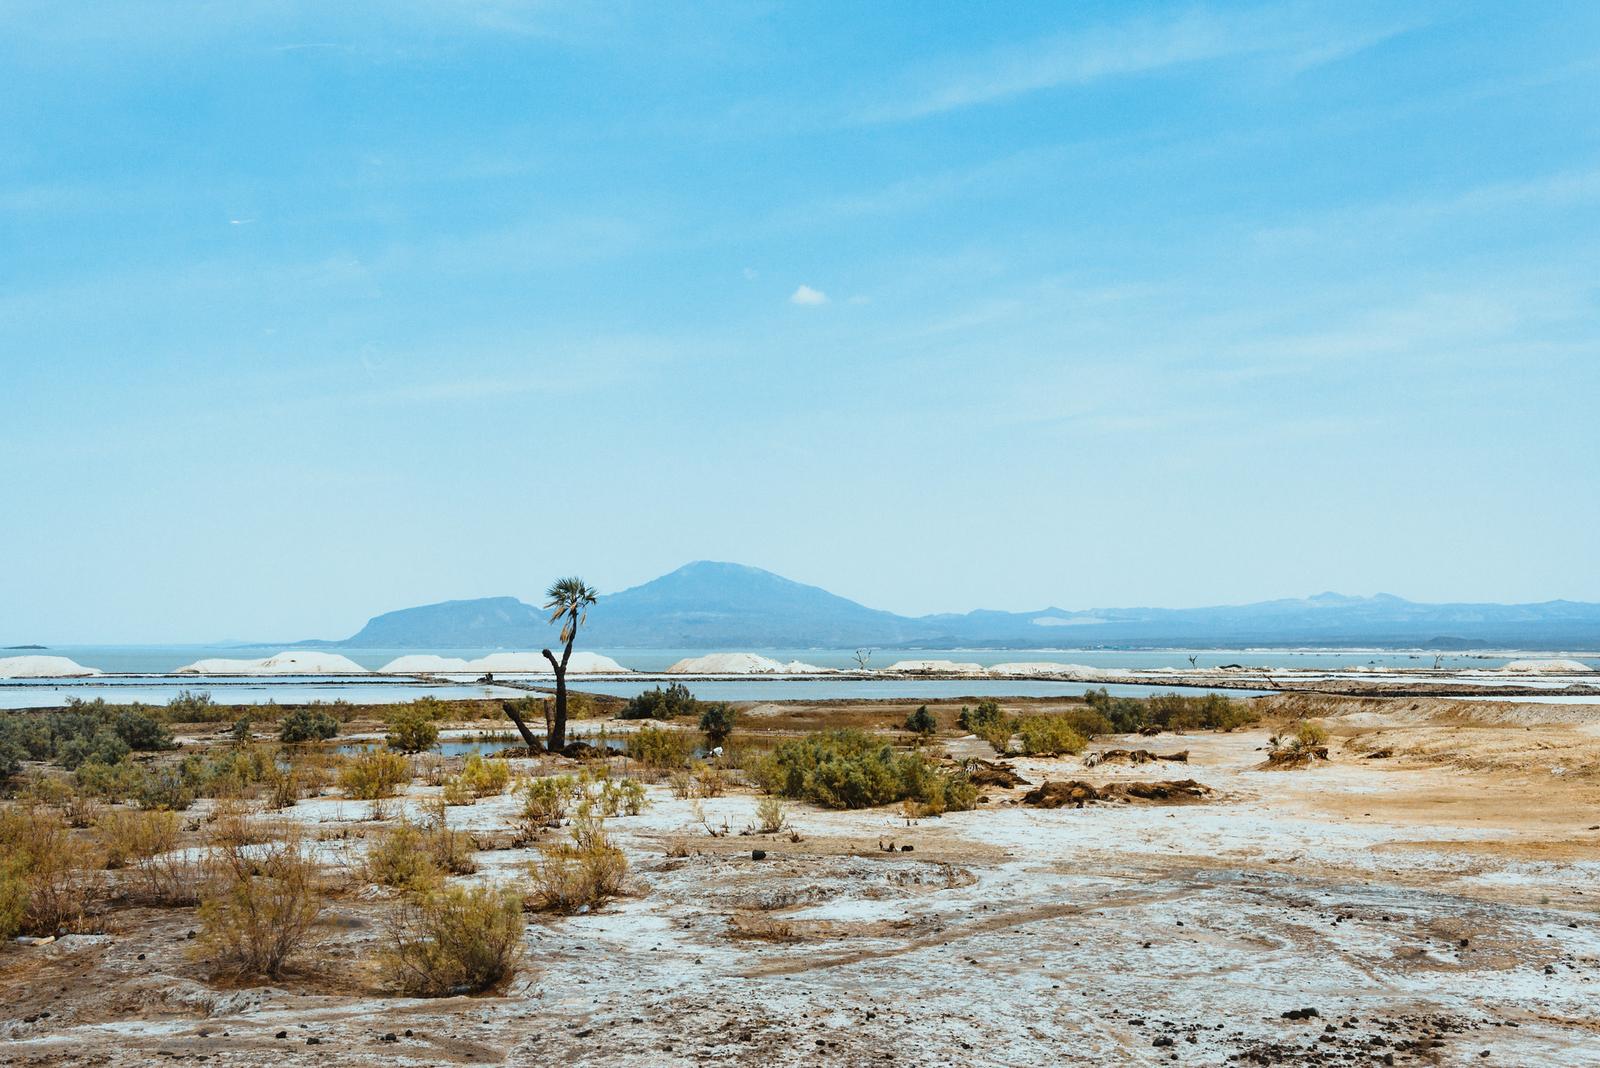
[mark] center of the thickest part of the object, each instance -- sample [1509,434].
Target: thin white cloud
[804,294]
[1142,46]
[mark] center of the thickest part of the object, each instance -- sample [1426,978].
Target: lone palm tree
[568,600]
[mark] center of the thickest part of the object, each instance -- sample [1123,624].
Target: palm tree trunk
[557,739]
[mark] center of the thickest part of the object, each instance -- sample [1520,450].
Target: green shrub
[850,769]
[307,725]
[142,731]
[166,788]
[191,707]
[661,747]
[45,882]
[1089,722]
[1049,736]
[717,721]
[922,722]
[412,728]
[454,940]
[675,700]
[984,717]
[1174,711]
[110,782]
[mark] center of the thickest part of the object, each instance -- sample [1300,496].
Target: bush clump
[584,872]
[922,722]
[415,856]
[479,777]
[674,701]
[45,883]
[412,728]
[1049,736]
[1171,711]
[453,940]
[661,747]
[307,725]
[259,904]
[850,769]
[373,774]
[717,721]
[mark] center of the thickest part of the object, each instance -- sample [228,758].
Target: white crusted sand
[43,667]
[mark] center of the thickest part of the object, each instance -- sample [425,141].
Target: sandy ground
[1434,906]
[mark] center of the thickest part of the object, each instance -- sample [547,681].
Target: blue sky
[311,314]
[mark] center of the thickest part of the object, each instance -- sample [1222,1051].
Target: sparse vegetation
[259,905]
[584,872]
[1307,742]
[452,940]
[770,815]
[479,777]
[414,856]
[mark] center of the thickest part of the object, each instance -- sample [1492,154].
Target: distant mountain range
[709,605]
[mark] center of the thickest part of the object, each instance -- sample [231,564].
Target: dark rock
[758,854]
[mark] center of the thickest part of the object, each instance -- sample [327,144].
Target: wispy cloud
[1139,47]
[804,294]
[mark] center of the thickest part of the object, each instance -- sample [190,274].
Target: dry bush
[618,797]
[478,778]
[770,816]
[454,940]
[46,881]
[373,774]
[584,873]
[415,856]
[1308,742]
[661,748]
[546,800]
[146,843]
[259,904]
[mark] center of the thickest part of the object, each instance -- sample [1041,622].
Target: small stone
[758,854]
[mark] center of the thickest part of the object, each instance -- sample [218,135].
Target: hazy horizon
[314,313]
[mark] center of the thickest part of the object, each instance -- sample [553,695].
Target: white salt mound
[307,662]
[1044,668]
[536,664]
[728,664]
[424,664]
[1546,667]
[935,667]
[43,667]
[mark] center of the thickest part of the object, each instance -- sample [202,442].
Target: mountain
[710,605]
